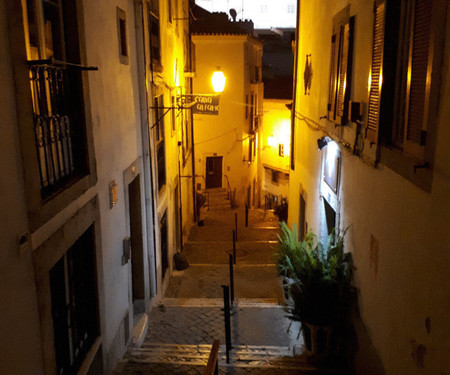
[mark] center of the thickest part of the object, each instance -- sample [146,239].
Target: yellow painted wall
[225,135]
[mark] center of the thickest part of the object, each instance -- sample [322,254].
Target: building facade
[227,145]
[275,153]
[369,152]
[93,150]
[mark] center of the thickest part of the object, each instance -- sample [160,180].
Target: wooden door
[213,172]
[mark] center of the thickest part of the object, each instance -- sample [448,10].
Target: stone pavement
[190,317]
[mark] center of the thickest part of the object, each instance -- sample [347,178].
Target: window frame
[159,137]
[341,63]
[389,131]
[154,34]
[122,36]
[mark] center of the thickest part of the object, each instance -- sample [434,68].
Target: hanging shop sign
[205,104]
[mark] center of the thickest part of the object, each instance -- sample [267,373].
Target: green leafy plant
[319,276]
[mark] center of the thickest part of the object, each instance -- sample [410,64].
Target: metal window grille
[55,130]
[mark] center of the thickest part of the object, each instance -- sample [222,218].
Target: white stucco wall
[407,281]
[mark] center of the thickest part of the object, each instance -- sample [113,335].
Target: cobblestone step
[240,356]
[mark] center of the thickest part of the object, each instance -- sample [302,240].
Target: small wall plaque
[113,196]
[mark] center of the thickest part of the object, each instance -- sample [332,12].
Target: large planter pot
[317,340]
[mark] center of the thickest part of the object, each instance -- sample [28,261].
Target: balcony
[59,128]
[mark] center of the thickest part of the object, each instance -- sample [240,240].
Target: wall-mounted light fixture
[218,81]
[322,142]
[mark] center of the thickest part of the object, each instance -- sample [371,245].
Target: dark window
[159,139]
[154,35]
[74,304]
[57,93]
[122,35]
[169,5]
[404,83]
[275,176]
[340,67]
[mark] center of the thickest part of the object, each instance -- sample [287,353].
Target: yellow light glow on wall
[332,153]
[271,141]
[218,81]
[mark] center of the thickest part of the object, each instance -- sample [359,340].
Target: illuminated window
[291,8]
[340,67]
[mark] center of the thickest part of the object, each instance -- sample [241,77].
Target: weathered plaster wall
[403,280]
[114,102]
[19,322]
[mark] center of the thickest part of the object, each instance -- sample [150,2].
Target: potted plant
[318,285]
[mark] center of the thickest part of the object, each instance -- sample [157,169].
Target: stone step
[224,233]
[248,356]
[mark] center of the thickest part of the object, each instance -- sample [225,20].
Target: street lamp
[218,81]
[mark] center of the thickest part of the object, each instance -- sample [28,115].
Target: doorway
[137,251]
[213,172]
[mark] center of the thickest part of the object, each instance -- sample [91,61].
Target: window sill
[407,167]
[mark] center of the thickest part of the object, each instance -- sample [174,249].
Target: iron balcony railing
[59,128]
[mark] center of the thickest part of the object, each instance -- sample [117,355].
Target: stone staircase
[218,199]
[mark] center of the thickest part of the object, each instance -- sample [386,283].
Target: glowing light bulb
[218,81]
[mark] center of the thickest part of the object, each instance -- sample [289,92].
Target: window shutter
[340,67]
[343,64]
[333,81]
[419,77]
[376,72]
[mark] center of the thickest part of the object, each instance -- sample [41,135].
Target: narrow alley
[186,180]
[190,316]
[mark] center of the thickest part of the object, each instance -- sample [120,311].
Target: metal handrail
[228,186]
[212,367]
[229,191]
